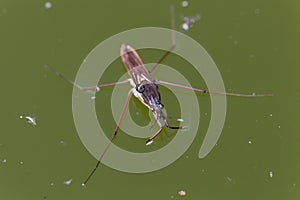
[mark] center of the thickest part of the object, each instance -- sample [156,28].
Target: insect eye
[140,88]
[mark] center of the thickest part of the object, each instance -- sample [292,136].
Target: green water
[255,45]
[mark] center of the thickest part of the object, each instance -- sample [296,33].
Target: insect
[145,88]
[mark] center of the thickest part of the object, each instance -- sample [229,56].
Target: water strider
[145,88]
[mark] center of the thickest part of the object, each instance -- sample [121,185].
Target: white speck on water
[185,26]
[249,142]
[51,184]
[29,119]
[271,174]
[68,182]
[83,185]
[279,126]
[185,4]
[189,21]
[48,5]
[182,193]
[229,179]
[172,197]
[4,161]
[93,97]
[21,162]
[180,120]
[257,11]
[271,115]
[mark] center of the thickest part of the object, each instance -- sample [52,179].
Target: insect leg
[97,87]
[112,138]
[208,92]
[173,41]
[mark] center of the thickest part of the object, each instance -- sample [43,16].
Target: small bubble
[48,5]
[185,4]
[51,184]
[185,26]
[271,174]
[182,193]
[271,115]
[21,162]
[249,142]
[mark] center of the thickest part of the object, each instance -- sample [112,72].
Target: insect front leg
[84,88]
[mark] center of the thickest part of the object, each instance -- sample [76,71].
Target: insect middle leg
[210,92]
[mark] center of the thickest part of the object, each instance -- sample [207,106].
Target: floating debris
[182,193]
[68,182]
[188,22]
[48,5]
[184,4]
[30,120]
